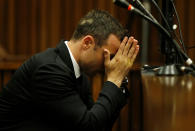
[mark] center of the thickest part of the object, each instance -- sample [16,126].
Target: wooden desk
[168,103]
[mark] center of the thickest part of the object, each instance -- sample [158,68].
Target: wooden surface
[31,26]
[168,103]
[9,65]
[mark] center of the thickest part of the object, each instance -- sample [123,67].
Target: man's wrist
[116,82]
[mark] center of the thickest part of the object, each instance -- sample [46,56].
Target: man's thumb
[106,56]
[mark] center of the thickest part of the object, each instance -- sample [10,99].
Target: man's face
[93,59]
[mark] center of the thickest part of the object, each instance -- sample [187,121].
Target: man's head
[96,31]
[99,24]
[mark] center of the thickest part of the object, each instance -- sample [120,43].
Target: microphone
[163,17]
[121,3]
[143,9]
[125,4]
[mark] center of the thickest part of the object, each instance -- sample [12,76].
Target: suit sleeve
[54,91]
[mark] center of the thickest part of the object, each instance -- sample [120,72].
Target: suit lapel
[64,54]
[81,82]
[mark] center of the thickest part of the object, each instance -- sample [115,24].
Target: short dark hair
[99,24]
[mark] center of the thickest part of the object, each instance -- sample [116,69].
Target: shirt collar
[75,64]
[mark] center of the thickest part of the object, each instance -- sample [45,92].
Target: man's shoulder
[49,58]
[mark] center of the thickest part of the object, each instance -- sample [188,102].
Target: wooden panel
[33,27]
[168,103]
[54,18]
[11,26]
[2,24]
[96,84]
[191,28]
[135,102]
[44,25]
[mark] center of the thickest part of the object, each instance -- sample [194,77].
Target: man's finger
[121,48]
[133,47]
[135,53]
[128,45]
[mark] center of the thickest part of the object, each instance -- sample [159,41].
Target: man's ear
[88,42]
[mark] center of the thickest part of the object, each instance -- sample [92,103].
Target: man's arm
[59,102]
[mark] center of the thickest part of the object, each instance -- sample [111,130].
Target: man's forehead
[113,44]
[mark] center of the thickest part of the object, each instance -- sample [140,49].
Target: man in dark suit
[50,91]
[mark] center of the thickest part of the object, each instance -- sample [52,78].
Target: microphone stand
[172,69]
[173,59]
[166,70]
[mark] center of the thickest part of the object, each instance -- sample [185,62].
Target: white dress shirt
[75,64]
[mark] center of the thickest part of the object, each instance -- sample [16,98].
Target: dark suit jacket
[44,94]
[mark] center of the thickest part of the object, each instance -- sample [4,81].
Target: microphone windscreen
[121,3]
